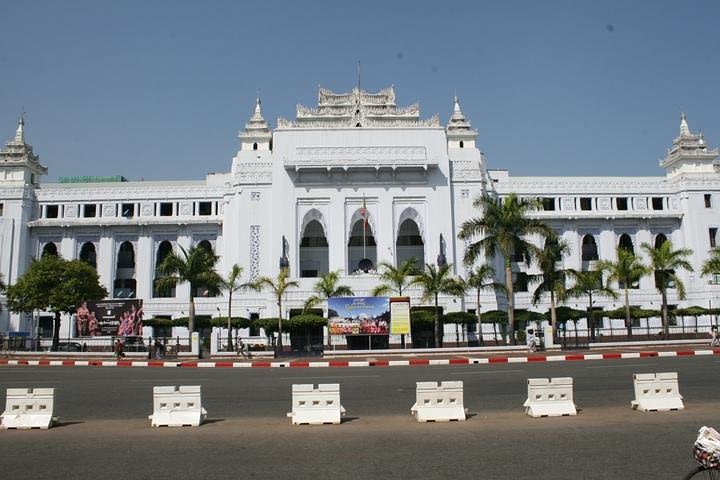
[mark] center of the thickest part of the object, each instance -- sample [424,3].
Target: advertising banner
[400,316]
[109,317]
[359,315]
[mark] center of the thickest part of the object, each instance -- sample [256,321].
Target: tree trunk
[438,334]
[230,344]
[477,306]
[278,344]
[495,332]
[665,322]
[56,332]
[510,300]
[591,320]
[553,315]
[628,320]
[191,314]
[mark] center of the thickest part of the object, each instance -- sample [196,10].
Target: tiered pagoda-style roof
[18,154]
[689,153]
[358,108]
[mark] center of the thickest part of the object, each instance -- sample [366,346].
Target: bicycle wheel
[702,473]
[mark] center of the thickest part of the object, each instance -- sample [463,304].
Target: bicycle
[706,451]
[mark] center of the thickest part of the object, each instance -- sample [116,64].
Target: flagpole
[364,226]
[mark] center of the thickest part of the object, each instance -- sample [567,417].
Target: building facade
[353,182]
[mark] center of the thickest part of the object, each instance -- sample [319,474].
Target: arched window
[313,250]
[125,285]
[626,243]
[164,249]
[362,250]
[410,244]
[88,254]
[589,249]
[255,146]
[660,239]
[462,144]
[49,249]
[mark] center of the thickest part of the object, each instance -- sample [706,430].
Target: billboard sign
[359,315]
[109,317]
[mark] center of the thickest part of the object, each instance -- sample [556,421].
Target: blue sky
[159,89]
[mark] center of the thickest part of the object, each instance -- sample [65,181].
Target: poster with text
[400,316]
[109,317]
[359,315]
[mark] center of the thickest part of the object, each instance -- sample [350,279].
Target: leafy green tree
[436,281]
[279,286]
[232,284]
[626,271]
[196,266]
[711,266]
[395,279]
[552,278]
[56,285]
[665,261]
[482,278]
[325,288]
[590,284]
[503,226]
[3,287]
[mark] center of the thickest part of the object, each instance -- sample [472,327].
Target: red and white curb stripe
[358,363]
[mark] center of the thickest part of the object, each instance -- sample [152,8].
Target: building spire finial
[684,128]
[20,132]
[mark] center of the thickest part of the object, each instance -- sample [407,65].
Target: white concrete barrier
[656,392]
[29,408]
[316,406]
[177,406]
[439,403]
[550,397]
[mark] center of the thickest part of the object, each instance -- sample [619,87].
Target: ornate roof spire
[684,128]
[458,128]
[689,153]
[20,132]
[256,129]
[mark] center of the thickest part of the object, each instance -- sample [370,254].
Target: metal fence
[153,346]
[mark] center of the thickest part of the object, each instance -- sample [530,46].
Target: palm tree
[482,278]
[553,278]
[590,283]
[396,279]
[627,271]
[504,226]
[232,284]
[711,266]
[279,286]
[665,261]
[327,287]
[436,281]
[195,266]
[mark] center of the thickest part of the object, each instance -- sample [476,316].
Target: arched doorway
[589,249]
[88,254]
[660,239]
[361,246]
[409,244]
[204,291]
[125,285]
[49,249]
[164,249]
[626,243]
[313,250]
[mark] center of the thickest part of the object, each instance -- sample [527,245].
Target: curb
[358,363]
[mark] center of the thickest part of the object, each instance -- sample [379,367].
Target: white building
[294,196]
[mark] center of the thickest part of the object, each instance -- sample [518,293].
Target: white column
[106,261]
[144,263]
